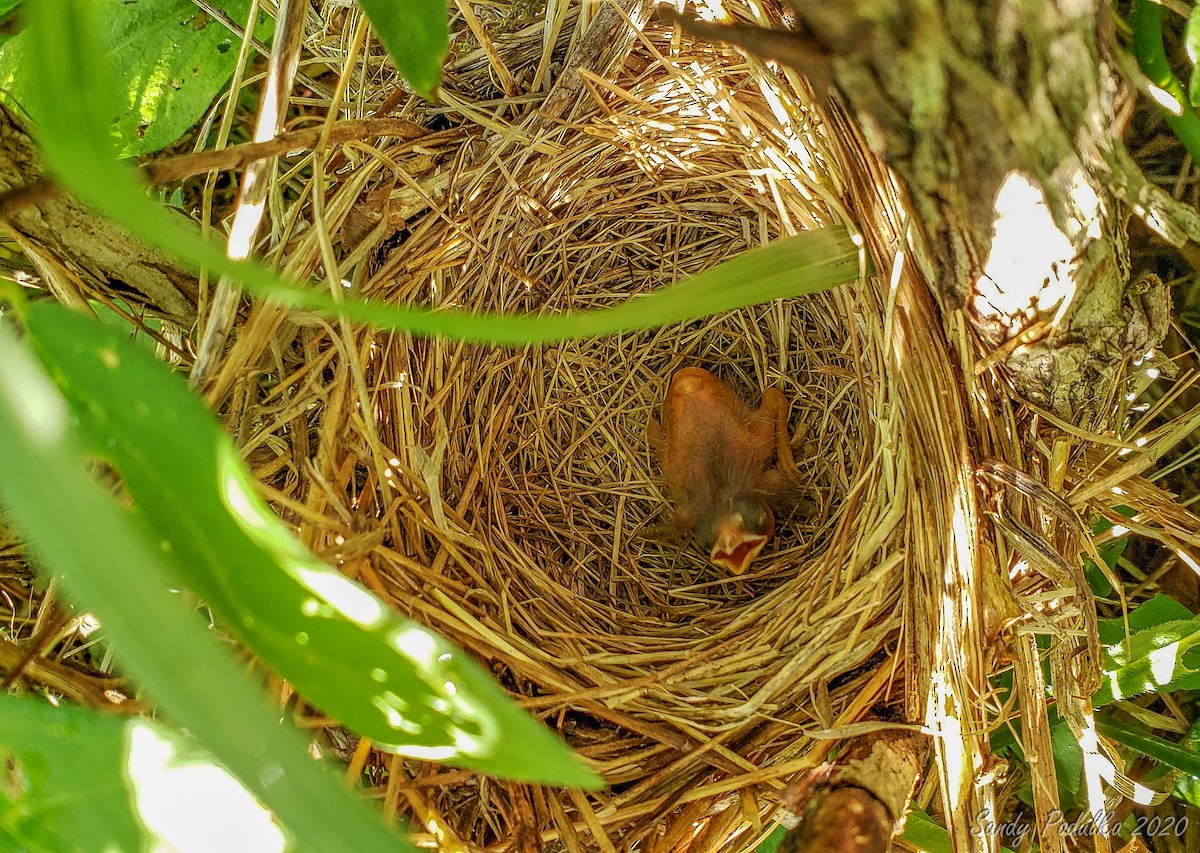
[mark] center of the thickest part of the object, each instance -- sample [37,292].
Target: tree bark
[858,804]
[960,96]
[76,251]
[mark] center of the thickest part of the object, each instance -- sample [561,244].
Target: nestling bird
[716,455]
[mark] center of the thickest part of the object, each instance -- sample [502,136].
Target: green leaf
[164,59]
[1145,19]
[1179,756]
[345,650]
[1187,786]
[1191,43]
[771,843]
[68,65]
[1151,613]
[921,831]
[110,564]
[1109,553]
[1162,657]
[1068,761]
[81,780]
[416,35]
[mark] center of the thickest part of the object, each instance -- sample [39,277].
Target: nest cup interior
[557,501]
[535,539]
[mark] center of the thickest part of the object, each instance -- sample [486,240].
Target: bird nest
[521,512]
[509,497]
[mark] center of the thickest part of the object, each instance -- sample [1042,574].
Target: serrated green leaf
[1151,613]
[345,650]
[107,561]
[166,59]
[416,34]
[77,147]
[1163,657]
[81,780]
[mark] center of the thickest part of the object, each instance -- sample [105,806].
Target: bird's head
[740,534]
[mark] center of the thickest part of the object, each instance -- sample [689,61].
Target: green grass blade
[342,648]
[70,89]
[110,564]
[1160,749]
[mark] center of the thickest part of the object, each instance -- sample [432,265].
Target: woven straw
[522,510]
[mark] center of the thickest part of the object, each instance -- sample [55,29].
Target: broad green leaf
[1162,657]
[110,563]
[82,780]
[416,35]
[66,87]
[165,60]
[1151,613]
[345,650]
[921,831]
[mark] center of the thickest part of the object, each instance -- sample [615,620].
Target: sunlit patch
[1029,264]
[1163,663]
[1188,560]
[345,596]
[109,358]
[245,224]
[1165,99]
[417,645]
[471,729]
[379,675]
[393,708]
[192,804]
[35,402]
[242,502]
[86,624]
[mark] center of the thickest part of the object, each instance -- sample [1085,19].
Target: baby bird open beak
[736,546]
